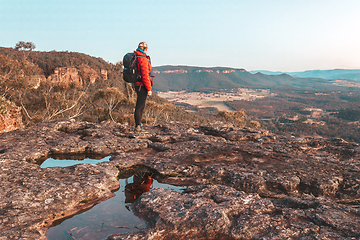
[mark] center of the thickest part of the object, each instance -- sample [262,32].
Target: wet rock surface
[245,183]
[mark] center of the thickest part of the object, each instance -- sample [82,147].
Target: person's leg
[140,104]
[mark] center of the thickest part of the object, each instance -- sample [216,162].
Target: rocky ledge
[243,183]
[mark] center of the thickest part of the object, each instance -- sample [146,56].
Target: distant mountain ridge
[333,74]
[177,78]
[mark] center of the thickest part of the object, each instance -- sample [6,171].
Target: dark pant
[140,103]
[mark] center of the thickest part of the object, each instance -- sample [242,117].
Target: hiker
[143,84]
[140,185]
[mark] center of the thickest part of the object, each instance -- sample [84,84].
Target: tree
[22,46]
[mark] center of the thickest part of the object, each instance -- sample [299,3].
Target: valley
[295,112]
[303,105]
[214,99]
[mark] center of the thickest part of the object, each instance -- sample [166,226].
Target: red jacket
[144,69]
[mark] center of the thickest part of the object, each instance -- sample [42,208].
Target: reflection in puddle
[51,162]
[139,185]
[111,216]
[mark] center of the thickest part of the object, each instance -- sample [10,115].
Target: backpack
[130,74]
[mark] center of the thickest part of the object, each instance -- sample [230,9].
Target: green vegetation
[350,114]
[4,104]
[238,118]
[48,61]
[85,201]
[307,113]
[23,81]
[177,78]
[23,46]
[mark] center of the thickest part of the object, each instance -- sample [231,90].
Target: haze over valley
[298,106]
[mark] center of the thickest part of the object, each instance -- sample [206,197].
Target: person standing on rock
[144,83]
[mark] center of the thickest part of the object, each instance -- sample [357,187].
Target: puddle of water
[112,216]
[51,162]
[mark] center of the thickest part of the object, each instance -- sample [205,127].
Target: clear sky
[277,35]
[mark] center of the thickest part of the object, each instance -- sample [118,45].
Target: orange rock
[10,118]
[78,76]
[65,75]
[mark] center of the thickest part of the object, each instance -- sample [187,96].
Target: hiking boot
[139,129]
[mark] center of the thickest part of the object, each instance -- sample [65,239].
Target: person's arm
[145,72]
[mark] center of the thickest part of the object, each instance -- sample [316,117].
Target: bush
[238,118]
[254,124]
[35,120]
[110,99]
[4,104]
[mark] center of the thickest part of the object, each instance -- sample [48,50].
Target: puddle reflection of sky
[51,162]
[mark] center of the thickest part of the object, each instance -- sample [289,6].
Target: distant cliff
[72,75]
[177,78]
[332,74]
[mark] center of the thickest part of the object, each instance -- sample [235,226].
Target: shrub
[238,118]
[254,124]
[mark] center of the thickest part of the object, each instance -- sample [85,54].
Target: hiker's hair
[143,46]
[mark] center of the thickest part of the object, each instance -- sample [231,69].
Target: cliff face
[178,78]
[90,75]
[72,75]
[243,183]
[65,75]
[10,116]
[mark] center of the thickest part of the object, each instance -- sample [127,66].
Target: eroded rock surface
[10,116]
[245,183]
[220,212]
[78,76]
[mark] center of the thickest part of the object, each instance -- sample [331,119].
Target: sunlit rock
[245,183]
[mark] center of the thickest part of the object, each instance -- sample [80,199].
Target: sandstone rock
[32,198]
[10,116]
[219,212]
[77,76]
[104,74]
[217,128]
[91,75]
[66,75]
[260,187]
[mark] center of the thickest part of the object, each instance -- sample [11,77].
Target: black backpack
[130,74]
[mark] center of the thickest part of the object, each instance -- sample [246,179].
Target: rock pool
[109,217]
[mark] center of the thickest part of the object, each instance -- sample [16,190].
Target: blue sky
[277,35]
